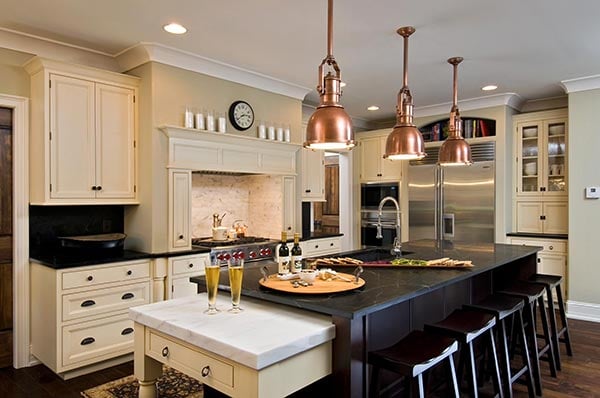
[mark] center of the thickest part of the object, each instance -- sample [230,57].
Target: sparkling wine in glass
[212,271]
[236,274]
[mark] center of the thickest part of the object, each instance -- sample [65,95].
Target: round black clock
[241,115]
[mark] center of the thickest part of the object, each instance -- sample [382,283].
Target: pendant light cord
[405,73]
[330,29]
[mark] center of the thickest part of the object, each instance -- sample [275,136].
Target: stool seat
[500,305]
[530,292]
[464,325]
[552,280]
[415,353]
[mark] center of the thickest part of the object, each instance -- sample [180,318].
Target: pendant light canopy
[455,151]
[405,141]
[329,127]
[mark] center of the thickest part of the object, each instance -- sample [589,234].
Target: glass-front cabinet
[542,157]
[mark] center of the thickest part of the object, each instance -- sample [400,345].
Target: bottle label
[296,264]
[284,265]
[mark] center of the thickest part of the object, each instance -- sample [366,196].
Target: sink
[375,254]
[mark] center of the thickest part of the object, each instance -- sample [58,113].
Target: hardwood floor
[580,375]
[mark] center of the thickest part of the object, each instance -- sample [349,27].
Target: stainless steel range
[250,248]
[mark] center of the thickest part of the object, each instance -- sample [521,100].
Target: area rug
[172,384]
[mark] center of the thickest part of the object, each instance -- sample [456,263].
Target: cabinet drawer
[189,265]
[78,305]
[99,275]
[321,246]
[550,246]
[172,353]
[97,340]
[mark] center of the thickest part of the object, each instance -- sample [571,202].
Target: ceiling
[524,47]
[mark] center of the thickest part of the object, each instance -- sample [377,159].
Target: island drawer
[97,340]
[191,359]
[189,264]
[92,276]
[100,301]
[551,246]
[323,246]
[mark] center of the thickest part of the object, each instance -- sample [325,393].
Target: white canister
[199,121]
[188,119]
[279,133]
[271,132]
[210,121]
[262,131]
[287,134]
[222,124]
[219,233]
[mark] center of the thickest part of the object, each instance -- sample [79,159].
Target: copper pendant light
[405,141]
[329,127]
[455,151]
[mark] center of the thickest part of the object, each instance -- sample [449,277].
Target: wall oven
[370,196]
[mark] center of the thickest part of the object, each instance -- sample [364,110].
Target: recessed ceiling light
[175,28]
[490,87]
[373,108]
[343,84]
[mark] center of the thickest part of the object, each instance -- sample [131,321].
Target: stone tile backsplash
[255,199]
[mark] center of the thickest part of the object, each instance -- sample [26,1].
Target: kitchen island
[395,301]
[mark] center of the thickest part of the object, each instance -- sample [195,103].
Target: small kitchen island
[395,301]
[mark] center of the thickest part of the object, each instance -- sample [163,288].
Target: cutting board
[318,287]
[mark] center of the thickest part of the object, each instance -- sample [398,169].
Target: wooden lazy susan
[319,286]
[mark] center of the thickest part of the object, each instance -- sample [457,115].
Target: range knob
[221,256]
[238,255]
[226,256]
[252,254]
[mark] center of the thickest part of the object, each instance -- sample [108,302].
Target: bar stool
[531,293]
[411,357]
[553,282]
[466,326]
[505,308]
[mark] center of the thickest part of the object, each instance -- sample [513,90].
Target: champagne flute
[212,271]
[236,274]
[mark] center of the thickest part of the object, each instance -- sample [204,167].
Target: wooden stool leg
[497,381]
[563,320]
[547,338]
[553,329]
[525,356]
[374,388]
[452,377]
[472,377]
[535,362]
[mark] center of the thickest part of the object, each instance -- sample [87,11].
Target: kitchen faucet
[397,248]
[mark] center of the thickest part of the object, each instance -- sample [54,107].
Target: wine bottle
[283,255]
[296,264]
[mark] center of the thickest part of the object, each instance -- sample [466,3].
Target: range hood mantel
[199,150]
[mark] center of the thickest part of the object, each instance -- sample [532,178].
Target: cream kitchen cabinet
[373,167]
[79,316]
[552,259]
[321,246]
[542,217]
[289,204]
[180,270]
[83,135]
[180,210]
[313,175]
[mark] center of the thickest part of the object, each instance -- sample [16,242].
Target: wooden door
[6,183]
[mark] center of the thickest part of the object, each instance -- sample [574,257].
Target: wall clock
[241,115]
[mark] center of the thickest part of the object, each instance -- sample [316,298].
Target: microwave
[371,194]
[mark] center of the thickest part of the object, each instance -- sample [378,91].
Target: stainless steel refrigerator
[467,194]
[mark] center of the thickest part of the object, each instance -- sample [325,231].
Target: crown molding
[146,52]
[512,100]
[581,84]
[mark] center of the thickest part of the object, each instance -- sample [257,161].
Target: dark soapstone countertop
[538,235]
[59,259]
[385,286]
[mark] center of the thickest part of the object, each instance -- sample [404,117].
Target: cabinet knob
[539,260]
[90,278]
[165,352]
[191,265]
[542,217]
[99,188]
[94,188]
[129,272]
[205,371]
[331,244]
[316,246]
[543,189]
[551,247]
[307,191]
[289,228]
[180,236]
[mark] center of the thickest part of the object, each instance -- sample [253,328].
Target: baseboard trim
[583,311]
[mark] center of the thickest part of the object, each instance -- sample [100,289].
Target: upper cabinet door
[370,160]
[529,158]
[115,136]
[72,160]
[555,161]
[313,175]
[391,170]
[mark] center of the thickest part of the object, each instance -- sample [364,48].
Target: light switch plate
[592,192]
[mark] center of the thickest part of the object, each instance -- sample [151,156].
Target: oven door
[368,232]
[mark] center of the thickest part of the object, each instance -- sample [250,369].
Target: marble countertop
[263,334]
[385,287]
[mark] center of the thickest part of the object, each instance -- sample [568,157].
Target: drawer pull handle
[88,340]
[165,352]
[90,278]
[539,260]
[129,272]
[205,371]
[331,244]
[94,188]
[180,236]
[551,247]
[316,246]
[191,265]
[88,303]
[127,331]
[127,296]
[99,188]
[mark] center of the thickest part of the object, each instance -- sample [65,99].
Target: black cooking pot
[101,241]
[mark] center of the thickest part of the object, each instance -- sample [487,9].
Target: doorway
[6,237]
[327,214]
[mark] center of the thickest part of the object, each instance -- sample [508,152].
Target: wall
[164,94]
[584,214]
[255,199]
[13,78]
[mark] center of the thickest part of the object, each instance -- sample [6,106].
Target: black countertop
[385,286]
[68,259]
[538,235]
[320,235]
